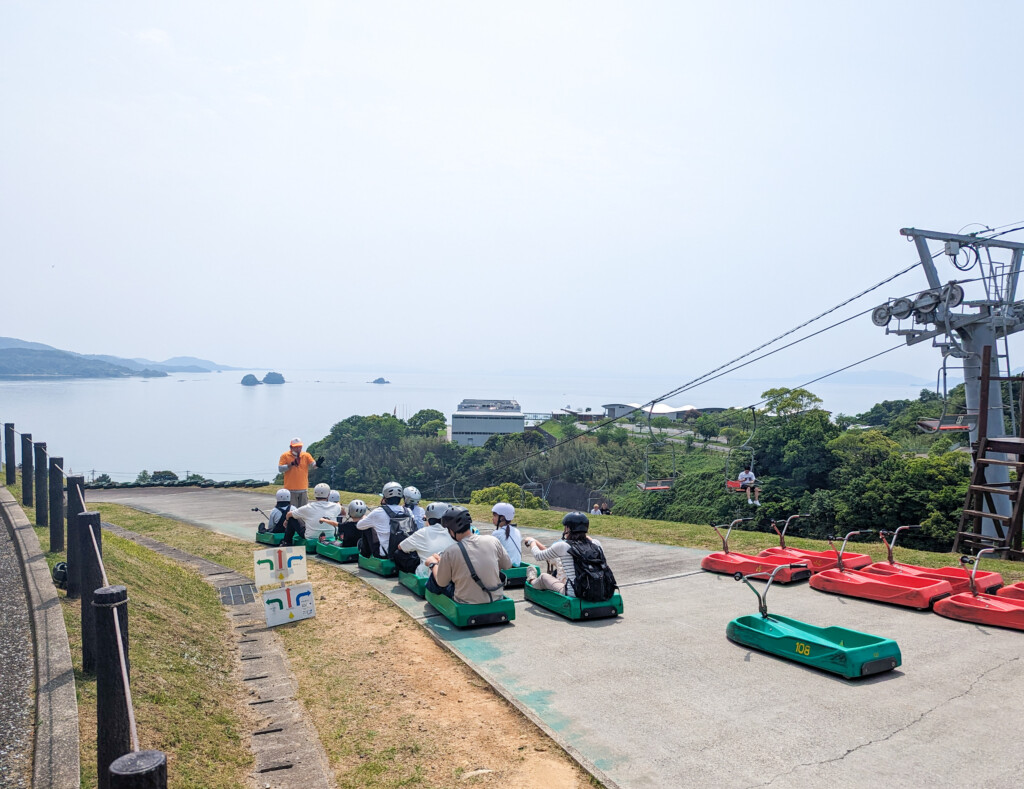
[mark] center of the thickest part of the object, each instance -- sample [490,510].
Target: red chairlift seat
[655,484]
[948,424]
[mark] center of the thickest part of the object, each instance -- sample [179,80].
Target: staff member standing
[295,465]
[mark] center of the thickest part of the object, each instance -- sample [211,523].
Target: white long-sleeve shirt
[560,551]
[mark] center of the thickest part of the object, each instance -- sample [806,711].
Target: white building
[615,410]
[478,420]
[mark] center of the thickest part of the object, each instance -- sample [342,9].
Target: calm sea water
[209,424]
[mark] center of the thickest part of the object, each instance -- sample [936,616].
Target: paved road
[660,698]
[17,707]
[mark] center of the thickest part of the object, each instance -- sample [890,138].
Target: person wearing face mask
[469,571]
[296,465]
[575,525]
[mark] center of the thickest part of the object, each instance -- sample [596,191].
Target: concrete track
[660,698]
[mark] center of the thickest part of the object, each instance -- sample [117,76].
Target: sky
[564,187]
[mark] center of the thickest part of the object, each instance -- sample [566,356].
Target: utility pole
[962,321]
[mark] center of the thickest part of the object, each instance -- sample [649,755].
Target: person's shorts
[746,485]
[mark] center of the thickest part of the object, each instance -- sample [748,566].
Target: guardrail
[121,764]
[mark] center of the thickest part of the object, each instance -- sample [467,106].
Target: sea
[207,423]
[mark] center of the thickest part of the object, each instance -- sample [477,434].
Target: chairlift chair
[650,484]
[947,423]
[734,485]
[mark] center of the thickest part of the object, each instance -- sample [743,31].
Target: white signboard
[278,565]
[289,604]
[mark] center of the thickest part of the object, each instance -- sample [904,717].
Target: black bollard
[12,464]
[42,509]
[113,729]
[27,476]
[56,504]
[141,770]
[76,505]
[92,579]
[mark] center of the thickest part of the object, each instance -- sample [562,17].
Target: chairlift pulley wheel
[902,308]
[880,316]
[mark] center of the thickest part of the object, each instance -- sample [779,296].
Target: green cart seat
[462,615]
[336,552]
[384,567]
[412,582]
[838,650]
[269,538]
[573,607]
[515,577]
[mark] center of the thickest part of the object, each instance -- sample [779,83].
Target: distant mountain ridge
[21,358]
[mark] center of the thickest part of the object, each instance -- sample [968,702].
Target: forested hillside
[875,470]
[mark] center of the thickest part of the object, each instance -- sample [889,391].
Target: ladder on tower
[979,503]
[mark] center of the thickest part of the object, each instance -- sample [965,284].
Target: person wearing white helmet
[502,516]
[348,529]
[307,517]
[431,539]
[296,465]
[277,516]
[412,498]
[387,525]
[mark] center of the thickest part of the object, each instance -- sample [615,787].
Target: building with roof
[478,420]
[616,410]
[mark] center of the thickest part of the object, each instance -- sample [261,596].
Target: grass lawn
[187,702]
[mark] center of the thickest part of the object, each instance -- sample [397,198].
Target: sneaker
[749,501]
[757,504]
[531,574]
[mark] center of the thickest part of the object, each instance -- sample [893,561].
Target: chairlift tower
[961,321]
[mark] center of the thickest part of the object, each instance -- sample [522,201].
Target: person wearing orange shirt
[296,465]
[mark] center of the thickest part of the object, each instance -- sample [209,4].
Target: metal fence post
[56,504]
[76,489]
[42,515]
[26,469]
[92,579]
[113,730]
[141,770]
[12,464]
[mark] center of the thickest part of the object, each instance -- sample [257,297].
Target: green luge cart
[839,650]
[515,577]
[337,553]
[572,607]
[311,545]
[412,582]
[270,538]
[384,567]
[499,612]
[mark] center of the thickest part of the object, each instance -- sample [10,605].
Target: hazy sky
[562,186]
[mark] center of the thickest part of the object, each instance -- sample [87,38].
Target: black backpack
[595,581]
[402,525]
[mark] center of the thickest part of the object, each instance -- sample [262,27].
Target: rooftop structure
[478,420]
[616,410]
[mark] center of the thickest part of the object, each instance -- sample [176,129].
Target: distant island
[379,381]
[269,378]
[24,359]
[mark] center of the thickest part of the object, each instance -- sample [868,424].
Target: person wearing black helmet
[469,571]
[576,525]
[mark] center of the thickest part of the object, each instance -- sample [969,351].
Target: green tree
[164,476]
[661,422]
[784,402]
[102,479]
[143,477]
[419,420]
[509,492]
[706,427]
